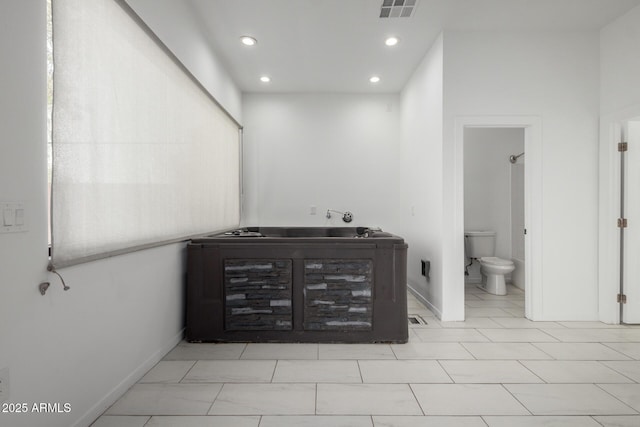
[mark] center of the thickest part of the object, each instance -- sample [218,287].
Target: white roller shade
[141,153]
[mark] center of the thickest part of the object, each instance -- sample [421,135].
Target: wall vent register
[397,8]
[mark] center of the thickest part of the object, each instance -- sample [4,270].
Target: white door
[631,234]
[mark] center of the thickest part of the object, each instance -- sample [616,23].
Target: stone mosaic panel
[338,294]
[257,294]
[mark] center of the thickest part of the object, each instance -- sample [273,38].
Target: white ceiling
[336,45]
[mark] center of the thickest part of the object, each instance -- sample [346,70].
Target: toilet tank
[480,244]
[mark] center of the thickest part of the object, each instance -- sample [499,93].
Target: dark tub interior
[305,232]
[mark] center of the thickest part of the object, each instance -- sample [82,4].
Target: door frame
[532,126]
[609,211]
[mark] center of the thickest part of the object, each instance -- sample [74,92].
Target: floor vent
[416,320]
[397,8]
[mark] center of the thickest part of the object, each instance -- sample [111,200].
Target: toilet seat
[492,260]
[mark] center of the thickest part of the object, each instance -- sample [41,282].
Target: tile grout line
[528,369]
[489,339]
[242,352]
[598,385]
[214,399]
[550,355]
[593,417]
[438,361]
[516,399]
[416,399]
[618,351]
[187,373]
[602,362]
[468,351]
[315,401]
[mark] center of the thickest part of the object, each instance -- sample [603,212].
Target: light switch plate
[13,218]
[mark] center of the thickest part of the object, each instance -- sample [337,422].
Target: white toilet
[481,245]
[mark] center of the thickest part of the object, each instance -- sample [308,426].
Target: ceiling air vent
[397,8]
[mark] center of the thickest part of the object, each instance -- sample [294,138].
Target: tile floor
[496,369]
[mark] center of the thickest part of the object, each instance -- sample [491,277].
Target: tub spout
[346,216]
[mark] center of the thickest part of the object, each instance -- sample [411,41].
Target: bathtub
[297,284]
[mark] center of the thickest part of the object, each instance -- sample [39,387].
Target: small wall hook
[43,287]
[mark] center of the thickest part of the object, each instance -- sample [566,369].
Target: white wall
[518,224]
[420,216]
[87,345]
[553,76]
[620,63]
[487,183]
[332,151]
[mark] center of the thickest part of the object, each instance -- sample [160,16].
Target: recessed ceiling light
[248,41]
[374,79]
[391,41]
[265,79]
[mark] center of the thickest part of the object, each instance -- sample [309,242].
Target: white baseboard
[110,398]
[424,301]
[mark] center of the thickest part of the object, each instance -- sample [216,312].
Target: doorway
[630,230]
[619,271]
[530,128]
[494,188]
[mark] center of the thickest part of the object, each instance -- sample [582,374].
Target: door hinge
[622,146]
[621,298]
[622,222]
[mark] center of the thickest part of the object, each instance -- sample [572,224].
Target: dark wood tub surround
[275,284]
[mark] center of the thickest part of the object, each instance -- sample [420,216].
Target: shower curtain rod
[513,158]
